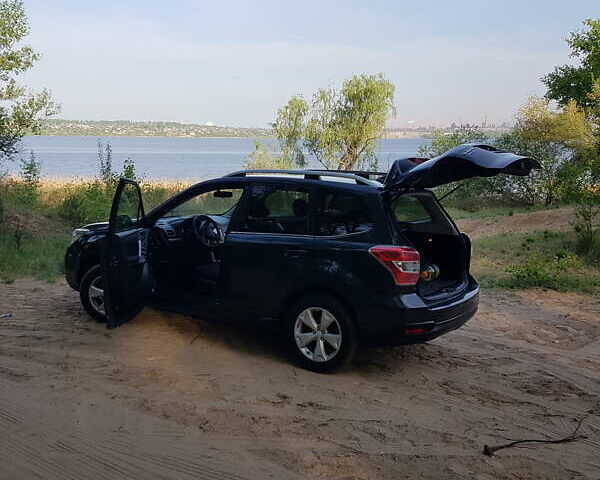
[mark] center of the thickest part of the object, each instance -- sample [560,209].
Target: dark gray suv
[334,259]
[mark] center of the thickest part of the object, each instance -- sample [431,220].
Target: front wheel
[320,333]
[91,294]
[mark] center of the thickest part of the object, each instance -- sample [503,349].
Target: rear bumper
[410,321]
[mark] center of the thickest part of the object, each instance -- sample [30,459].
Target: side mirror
[223,194]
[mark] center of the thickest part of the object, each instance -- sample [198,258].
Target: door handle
[295,252]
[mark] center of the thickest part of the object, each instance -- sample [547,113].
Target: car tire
[320,333]
[89,294]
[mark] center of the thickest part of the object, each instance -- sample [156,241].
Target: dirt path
[555,219]
[174,398]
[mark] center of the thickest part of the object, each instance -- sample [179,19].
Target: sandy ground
[167,396]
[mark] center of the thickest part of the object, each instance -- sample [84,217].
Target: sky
[234,63]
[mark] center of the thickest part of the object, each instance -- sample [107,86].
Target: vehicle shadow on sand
[263,342]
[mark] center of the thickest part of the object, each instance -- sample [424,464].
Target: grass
[39,257]
[494,211]
[544,259]
[36,220]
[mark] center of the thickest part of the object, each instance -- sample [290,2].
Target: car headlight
[78,233]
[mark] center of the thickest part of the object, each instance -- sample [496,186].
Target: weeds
[41,257]
[469,210]
[548,271]
[587,222]
[36,219]
[541,259]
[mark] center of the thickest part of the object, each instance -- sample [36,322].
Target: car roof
[331,178]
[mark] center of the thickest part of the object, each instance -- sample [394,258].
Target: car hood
[100,227]
[458,163]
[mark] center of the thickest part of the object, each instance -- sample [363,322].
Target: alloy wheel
[96,295]
[318,334]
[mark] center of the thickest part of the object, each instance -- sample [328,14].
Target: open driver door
[127,275]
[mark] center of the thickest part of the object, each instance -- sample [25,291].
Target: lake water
[167,157]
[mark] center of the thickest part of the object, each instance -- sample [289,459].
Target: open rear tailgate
[458,163]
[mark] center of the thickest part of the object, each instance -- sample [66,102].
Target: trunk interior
[425,225]
[445,253]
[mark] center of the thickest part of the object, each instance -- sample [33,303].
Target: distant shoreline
[383,137]
[125,128]
[142,136]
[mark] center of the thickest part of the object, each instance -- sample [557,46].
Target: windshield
[215,202]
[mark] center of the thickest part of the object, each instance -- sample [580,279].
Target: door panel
[268,248]
[261,268]
[126,272]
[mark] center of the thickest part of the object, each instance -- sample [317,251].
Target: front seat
[298,223]
[300,207]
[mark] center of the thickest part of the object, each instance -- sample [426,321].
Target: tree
[558,140]
[31,169]
[264,158]
[568,82]
[289,127]
[573,87]
[105,167]
[28,191]
[344,125]
[442,141]
[339,127]
[21,109]
[584,185]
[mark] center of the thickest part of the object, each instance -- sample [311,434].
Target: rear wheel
[320,333]
[91,293]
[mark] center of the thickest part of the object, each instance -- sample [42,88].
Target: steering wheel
[208,231]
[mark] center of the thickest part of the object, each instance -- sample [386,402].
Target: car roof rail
[361,173]
[361,178]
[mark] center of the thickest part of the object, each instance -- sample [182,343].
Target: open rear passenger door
[127,275]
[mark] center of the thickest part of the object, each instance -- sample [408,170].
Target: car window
[129,208]
[408,209]
[276,209]
[343,214]
[215,202]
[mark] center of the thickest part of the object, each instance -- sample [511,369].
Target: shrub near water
[80,202]
[83,203]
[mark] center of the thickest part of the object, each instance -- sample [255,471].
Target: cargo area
[423,224]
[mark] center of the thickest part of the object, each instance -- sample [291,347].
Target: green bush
[35,223]
[85,202]
[548,271]
[587,222]
[546,259]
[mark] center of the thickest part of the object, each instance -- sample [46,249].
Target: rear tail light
[404,263]
[415,331]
